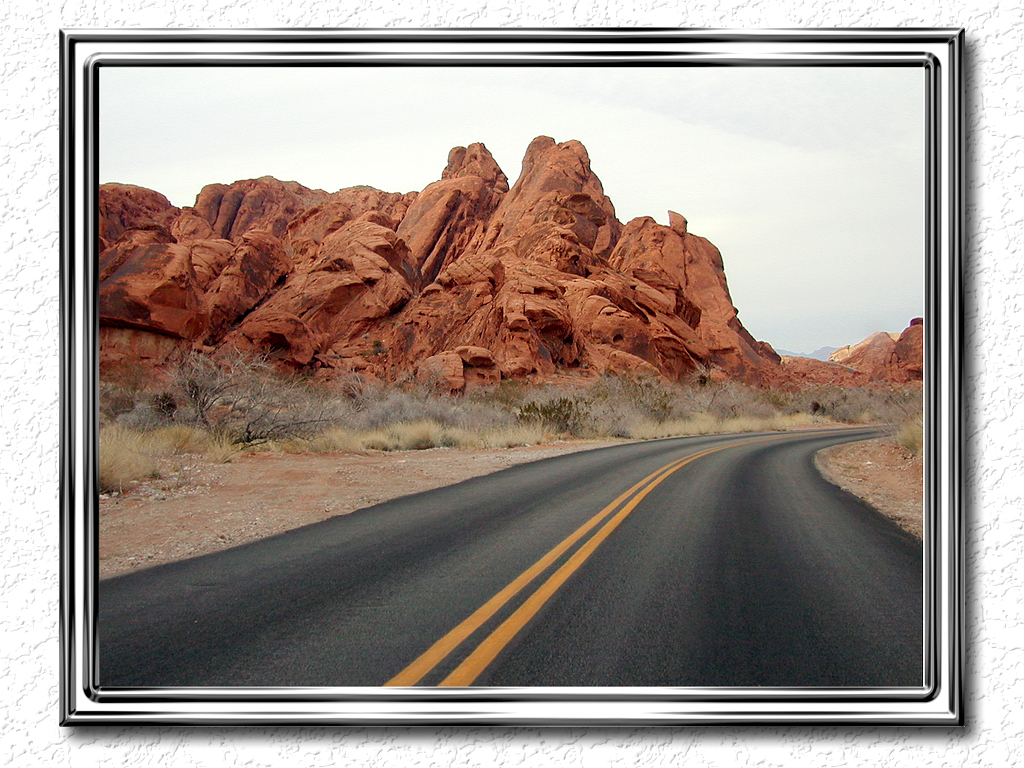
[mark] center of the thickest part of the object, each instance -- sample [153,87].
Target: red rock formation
[328,308]
[800,372]
[123,207]
[265,203]
[556,185]
[191,226]
[307,231]
[681,274]
[463,283]
[888,357]
[869,355]
[253,268]
[449,214]
[907,362]
[151,286]
[533,288]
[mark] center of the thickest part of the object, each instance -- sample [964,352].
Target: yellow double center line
[486,651]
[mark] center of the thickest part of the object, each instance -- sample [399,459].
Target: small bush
[417,436]
[126,456]
[562,414]
[220,448]
[182,438]
[515,436]
[910,437]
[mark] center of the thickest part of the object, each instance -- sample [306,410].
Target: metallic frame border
[939,703]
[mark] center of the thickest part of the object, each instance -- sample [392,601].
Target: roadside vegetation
[150,428]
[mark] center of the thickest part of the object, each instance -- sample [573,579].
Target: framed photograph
[402,381]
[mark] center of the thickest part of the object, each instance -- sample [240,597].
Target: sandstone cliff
[466,282]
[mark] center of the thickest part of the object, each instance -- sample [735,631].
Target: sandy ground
[199,507]
[886,476]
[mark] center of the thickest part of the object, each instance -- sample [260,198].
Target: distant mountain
[821,353]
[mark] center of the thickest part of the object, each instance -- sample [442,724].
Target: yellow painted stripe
[413,673]
[485,653]
[440,650]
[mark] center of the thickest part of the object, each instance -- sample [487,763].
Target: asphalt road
[701,561]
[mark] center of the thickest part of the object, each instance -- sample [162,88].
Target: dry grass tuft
[126,456]
[414,436]
[706,424]
[910,437]
[129,455]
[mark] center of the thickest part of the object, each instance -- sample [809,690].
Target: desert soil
[886,476]
[199,507]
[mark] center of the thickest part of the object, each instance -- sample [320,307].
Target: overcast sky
[809,180]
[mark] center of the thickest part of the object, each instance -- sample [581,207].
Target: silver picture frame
[939,702]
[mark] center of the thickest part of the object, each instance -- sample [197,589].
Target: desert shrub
[560,414]
[857,405]
[910,437]
[126,455]
[411,436]
[515,436]
[381,407]
[248,401]
[706,424]
[181,438]
[115,401]
[165,404]
[646,397]
[416,436]
[331,440]
[730,399]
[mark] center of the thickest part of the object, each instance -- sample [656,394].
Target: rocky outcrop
[682,275]
[462,284]
[265,203]
[534,288]
[326,309]
[123,207]
[556,188]
[907,361]
[451,213]
[254,267]
[151,286]
[890,357]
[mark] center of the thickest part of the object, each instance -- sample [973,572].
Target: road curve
[701,561]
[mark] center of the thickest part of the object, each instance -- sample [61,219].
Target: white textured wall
[28,409]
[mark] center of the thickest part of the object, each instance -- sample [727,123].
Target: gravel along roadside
[886,476]
[198,507]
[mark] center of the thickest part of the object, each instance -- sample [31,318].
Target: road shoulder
[197,507]
[881,473]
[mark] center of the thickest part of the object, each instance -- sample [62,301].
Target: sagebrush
[218,407]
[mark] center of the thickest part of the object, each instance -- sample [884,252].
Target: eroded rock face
[265,203]
[462,284]
[889,357]
[557,185]
[806,371]
[253,267]
[907,362]
[152,286]
[682,275]
[124,206]
[451,213]
[327,308]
